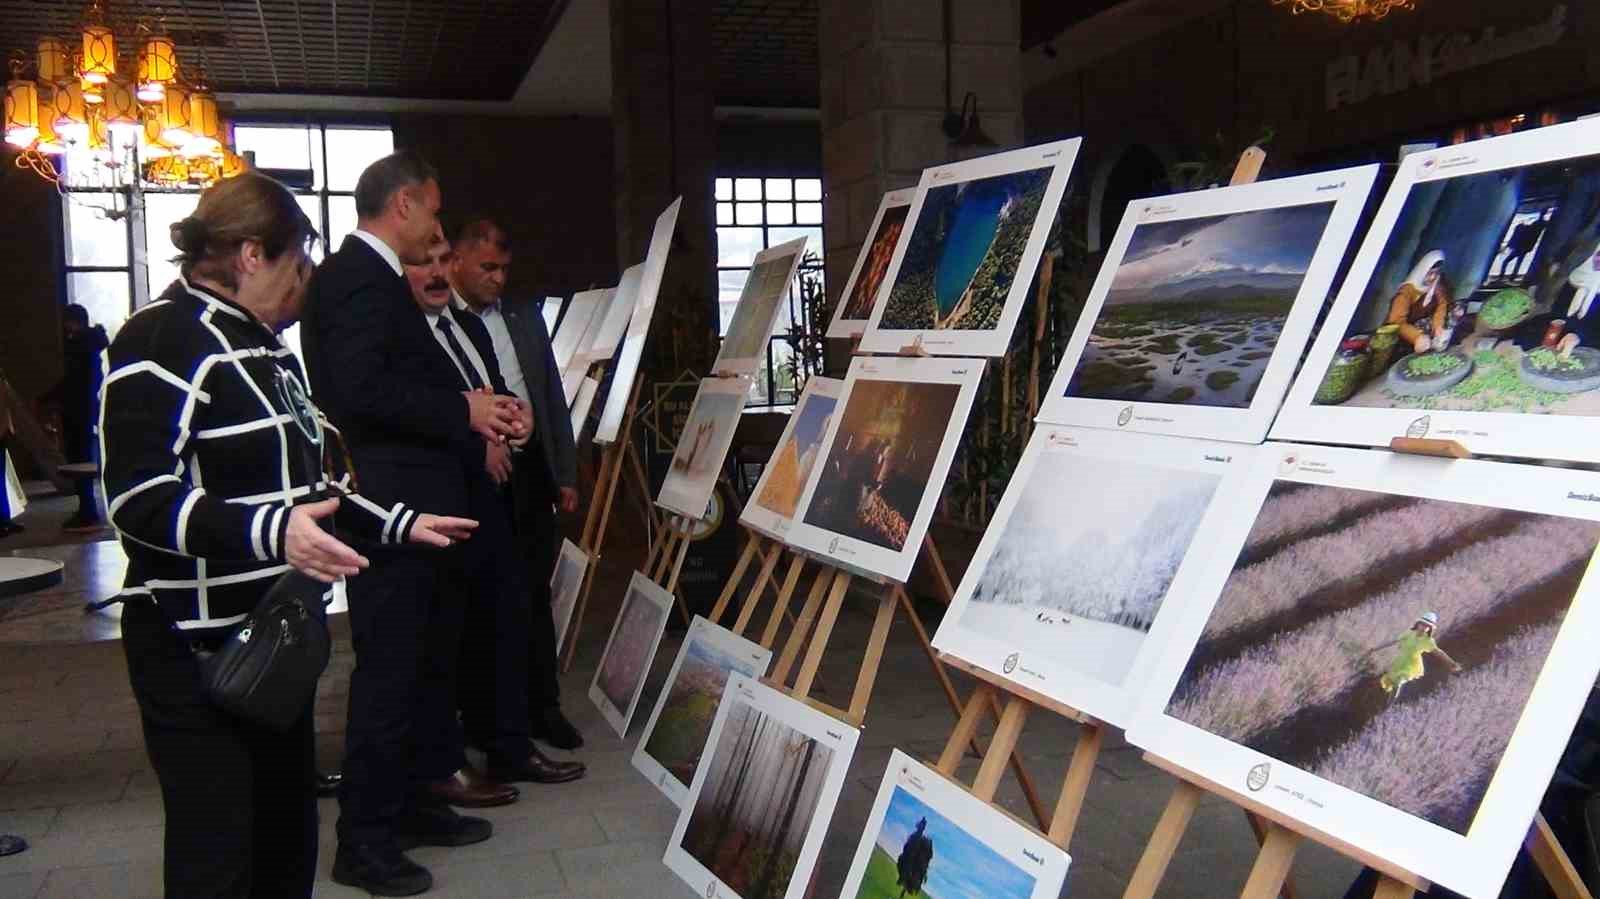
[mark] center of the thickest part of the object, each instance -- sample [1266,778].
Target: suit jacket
[386,383]
[552,423]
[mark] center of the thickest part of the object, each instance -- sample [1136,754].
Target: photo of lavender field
[1081,588]
[1197,305]
[1385,643]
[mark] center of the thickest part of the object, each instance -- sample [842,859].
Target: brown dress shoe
[538,768]
[469,789]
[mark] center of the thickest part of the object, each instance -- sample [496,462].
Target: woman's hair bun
[189,236]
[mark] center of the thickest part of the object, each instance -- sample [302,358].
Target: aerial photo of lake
[1197,305]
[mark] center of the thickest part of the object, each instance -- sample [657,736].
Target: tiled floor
[74,780]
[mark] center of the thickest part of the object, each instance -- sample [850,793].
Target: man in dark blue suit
[544,473]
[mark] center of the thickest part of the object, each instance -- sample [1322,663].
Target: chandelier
[78,110]
[1348,10]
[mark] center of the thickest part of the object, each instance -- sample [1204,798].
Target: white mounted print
[761,800]
[854,309]
[703,446]
[1469,311]
[1091,539]
[885,455]
[766,289]
[1391,650]
[629,651]
[675,736]
[776,498]
[567,341]
[1204,305]
[644,308]
[973,238]
[565,582]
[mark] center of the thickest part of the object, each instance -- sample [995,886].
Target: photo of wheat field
[1084,589]
[1385,643]
[791,465]
[963,253]
[881,461]
[1197,305]
[756,804]
[679,736]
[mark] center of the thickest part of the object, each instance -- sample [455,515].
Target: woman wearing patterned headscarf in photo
[1421,307]
[207,437]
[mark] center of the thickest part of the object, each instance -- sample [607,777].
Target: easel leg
[1261,829]
[780,607]
[594,539]
[1389,888]
[660,549]
[966,732]
[1553,862]
[872,660]
[752,545]
[802,627]
[758,591]
[677,569]
[819,640]
[1163,842]
[1273,864]
[1075,786]
[941,575]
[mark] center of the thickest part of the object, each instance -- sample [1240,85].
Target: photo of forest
[632,647]
[765,287]
[681,729]
[1084,589]
[756,804]
[1197,305]
[791,465]
[964,251]
[879,253]
[880,465]
[1385,643]
[1481,299]
[919,852]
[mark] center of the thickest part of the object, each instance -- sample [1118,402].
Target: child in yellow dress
[1413,645]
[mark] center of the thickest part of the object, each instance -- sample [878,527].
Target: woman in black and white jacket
[207,431]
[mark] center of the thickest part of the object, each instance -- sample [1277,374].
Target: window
[117,258]
[752,215]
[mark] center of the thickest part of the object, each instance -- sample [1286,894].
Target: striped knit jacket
[202,458]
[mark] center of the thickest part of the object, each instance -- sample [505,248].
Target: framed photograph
[852,313]
[703,446]
[1204,306]
[772,505]
[1390,650]
[885,455]
[929,837]
[675,736]
[1091,538]
[567,341]
[582,403]
[643,308]
[973,237]
[766,289]
[607,330]
[584,355]
[760,803]
[629,651]
[571,565]
[1469,311]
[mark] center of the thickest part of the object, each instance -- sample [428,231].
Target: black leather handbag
[266,670]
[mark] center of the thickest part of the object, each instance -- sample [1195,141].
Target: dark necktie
[449,332]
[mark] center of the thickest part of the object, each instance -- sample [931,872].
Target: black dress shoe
[328,784]
[440,826]
[380,870]
[554,728]
[539,769]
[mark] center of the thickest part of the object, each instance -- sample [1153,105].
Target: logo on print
[1125,416]
[1258,777]
[1419,428]
[1010,664]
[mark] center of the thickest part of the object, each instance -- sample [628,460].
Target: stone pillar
[883,101]
[664,135]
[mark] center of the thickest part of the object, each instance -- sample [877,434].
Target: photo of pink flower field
[1385,643]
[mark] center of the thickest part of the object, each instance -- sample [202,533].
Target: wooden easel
[1280,836]
[664,562]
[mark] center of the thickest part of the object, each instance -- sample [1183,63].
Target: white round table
[20,575]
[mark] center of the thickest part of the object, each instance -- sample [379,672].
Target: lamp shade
[99,60]
[167,170]
[158,67]
[22,112]
[49,143]
[205,125]
[55,65]
[175,128]
[121,108]
[69,114]
[233,164]
[150,143]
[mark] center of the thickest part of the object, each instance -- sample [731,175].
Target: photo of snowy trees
[1084,586]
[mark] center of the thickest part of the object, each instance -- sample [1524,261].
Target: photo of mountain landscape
[676,736]
[1197,305]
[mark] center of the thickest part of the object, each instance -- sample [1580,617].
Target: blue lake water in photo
[973,223]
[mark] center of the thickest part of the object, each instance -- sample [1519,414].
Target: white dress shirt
[505,352]
[382,249]
[467,346]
